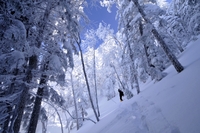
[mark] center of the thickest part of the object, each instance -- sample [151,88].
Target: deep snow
[169,106]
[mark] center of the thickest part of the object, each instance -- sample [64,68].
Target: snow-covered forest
[58,76]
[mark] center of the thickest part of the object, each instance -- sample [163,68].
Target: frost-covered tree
[130,38]
[183,20]
[48,23]
[75,104]
[91,40]
[81,94]
[86,79]
[13,62]
[161,41]
[61,11]
[111,49]
[145,53]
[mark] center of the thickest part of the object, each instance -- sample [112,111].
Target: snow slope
[169,106]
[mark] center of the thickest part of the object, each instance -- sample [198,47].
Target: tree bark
[24,94]
[38,100]
[167,51]
[37,106]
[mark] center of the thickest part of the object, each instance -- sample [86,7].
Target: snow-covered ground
[169,106]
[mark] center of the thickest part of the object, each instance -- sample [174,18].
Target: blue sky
[100,14]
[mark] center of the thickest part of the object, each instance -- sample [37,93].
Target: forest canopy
[50,64]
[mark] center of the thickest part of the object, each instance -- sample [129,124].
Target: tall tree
[37,18]
[95,82]
[170,55]
[91,40]
[75,105]
[78,40]
[13,53]
[183,20]
[70,26]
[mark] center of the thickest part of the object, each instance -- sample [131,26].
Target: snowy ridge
[169,106]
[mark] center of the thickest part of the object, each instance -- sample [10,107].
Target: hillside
[169,106]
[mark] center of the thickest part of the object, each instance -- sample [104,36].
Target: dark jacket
[121,93]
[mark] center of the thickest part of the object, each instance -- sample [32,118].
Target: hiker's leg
[121,98]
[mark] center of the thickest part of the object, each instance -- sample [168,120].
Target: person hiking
[121,94]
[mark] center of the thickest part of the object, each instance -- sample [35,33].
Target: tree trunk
[137,83]
[39,39]
[87,83]
[24,94]
[82,111]
[170,55]
[133,67]
[9,107]
[32,65]
[74,97]
[36,109]
[135,75]
[167,51]
[95,86]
